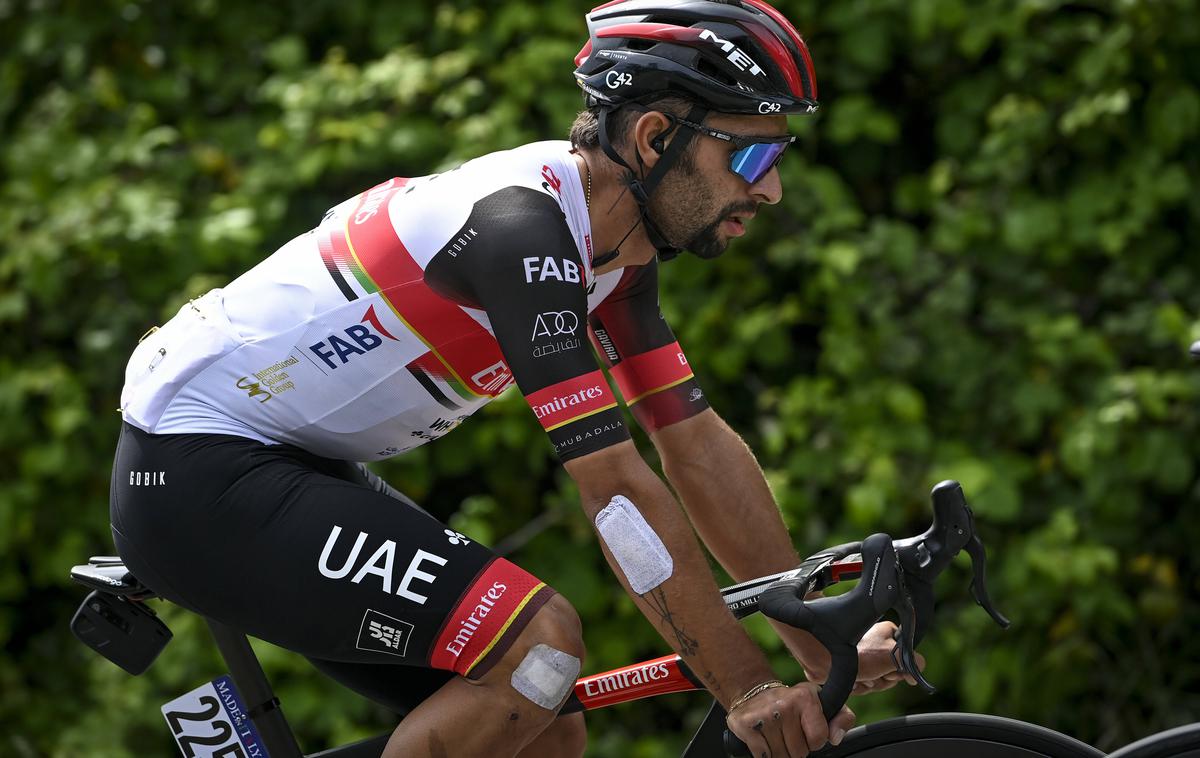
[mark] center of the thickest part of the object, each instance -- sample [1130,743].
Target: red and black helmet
[732,56]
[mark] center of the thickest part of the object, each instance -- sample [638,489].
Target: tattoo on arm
[657,599]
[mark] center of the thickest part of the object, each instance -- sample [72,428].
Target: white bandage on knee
[545,676]
[636,547]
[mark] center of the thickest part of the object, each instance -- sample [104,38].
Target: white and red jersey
[409,307]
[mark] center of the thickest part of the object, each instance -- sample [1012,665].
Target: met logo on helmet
[734,53]
[358,339]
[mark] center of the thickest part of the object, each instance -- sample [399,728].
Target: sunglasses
[752,157]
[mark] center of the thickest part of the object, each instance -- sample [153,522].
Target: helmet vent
[706,67]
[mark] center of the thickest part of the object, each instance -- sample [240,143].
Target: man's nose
[768,189]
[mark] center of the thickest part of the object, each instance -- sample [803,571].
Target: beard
[686,211]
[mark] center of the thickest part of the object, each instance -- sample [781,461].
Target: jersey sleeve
[630,333]
[524,271]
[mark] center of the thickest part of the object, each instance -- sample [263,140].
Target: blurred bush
[984,268]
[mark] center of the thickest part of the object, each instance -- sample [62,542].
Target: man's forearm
[686,607]
[732,508]
[726,496]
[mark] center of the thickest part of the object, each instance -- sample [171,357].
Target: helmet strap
[641,187]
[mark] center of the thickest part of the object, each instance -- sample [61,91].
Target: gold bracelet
[739,701]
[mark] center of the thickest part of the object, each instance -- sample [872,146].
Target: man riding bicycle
[410,306]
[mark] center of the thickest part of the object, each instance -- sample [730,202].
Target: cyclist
[413,304]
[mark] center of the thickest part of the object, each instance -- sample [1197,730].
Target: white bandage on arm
[634,544]
[545,676]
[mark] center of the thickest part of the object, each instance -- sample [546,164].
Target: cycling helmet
[736,56]
[731,56]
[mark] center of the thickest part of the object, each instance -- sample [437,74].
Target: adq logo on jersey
[337,350]
[554,324]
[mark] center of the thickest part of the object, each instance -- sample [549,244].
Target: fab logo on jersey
[336,350]
[541,268]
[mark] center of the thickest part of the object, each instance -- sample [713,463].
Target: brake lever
[924,557]
[979,591]
[904,653]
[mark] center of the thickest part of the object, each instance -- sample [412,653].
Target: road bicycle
[239,716]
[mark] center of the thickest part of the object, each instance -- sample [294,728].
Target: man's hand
[787,721]
[876,669]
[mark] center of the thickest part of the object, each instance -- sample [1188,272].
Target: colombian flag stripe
[461,344]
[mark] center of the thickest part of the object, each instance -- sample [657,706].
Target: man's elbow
[615,470]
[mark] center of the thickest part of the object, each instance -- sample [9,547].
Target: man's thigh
[301,552]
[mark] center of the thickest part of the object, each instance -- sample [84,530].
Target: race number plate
[211,722]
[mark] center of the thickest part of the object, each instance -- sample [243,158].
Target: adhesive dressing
[545,676]
[636,547]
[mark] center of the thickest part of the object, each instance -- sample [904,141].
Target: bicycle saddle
[107,574]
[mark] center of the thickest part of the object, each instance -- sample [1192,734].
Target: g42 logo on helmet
[615,79]
[768,107]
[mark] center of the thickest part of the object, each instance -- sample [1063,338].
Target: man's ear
[653,130]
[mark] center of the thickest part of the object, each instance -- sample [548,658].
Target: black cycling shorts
[318,556]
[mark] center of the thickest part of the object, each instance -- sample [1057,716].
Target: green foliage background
[984,268]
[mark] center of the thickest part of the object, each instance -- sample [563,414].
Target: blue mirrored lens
[752,163]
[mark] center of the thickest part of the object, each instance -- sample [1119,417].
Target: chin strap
[642,187]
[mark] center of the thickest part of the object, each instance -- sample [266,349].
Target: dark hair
[585,131]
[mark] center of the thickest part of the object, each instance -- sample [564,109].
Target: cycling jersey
[409,307]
